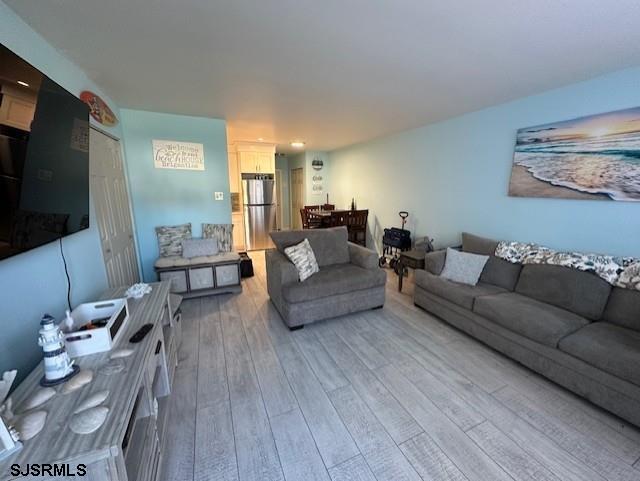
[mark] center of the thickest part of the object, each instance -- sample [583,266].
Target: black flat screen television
[44,158]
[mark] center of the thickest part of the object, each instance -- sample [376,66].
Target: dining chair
[356,221]
[337,219]
[310,220]
[311,207]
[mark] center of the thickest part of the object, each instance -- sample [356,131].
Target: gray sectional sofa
[349,279]
[570,326]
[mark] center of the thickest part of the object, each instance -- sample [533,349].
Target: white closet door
[113,216]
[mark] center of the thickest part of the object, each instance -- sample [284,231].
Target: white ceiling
[334,72]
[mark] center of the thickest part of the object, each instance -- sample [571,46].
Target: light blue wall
[166,196]
[453,176]
[34,282]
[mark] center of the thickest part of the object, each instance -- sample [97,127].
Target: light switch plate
[219,195]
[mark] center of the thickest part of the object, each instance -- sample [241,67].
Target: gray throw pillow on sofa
[463,267]
[199,247]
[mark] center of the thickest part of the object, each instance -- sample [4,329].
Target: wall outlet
[218,195]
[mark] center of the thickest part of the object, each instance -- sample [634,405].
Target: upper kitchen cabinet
[267,162]
[256,157]
[17,107]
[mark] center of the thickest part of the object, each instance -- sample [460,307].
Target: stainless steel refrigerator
[258,197]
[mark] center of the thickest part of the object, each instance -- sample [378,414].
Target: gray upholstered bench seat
[179,261]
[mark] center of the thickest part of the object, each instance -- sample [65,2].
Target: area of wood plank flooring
[391,394]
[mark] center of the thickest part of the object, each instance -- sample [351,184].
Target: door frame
[291,206]
[280,198]
[136,244]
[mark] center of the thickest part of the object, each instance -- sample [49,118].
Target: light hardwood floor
[392,394]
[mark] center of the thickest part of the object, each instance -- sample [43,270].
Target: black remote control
[141,333]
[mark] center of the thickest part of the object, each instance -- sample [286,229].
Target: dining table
[325,215]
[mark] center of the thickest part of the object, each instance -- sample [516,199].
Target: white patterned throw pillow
[463,267]
[630,277]
[303,258]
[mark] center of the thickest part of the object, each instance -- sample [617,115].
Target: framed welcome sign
[171,154]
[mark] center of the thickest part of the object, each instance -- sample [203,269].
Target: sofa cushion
[580,292]
[623,308]
[611,348]
[330,246]
[528,317]
[434,261]
[478,245]
[333,280]
[179,261]
[461,294]
[496,271]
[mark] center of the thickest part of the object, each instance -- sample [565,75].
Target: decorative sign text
[170,154]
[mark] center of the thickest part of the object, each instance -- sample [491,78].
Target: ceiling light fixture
[24,84]
[297,144]
[260,139]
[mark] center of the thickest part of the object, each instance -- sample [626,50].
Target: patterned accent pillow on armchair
[223,233]
[303,258]
[170,238]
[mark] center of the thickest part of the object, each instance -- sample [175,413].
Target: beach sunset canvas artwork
[595,157]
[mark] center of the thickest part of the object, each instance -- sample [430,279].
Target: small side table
[414,259]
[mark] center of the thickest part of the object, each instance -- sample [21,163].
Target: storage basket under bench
[201,276]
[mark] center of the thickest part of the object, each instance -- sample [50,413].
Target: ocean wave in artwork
[609,166]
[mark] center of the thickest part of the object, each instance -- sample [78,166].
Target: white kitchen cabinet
[256,157]
[238,231]
[266,163]
[234,171]
[248,162]
[16,110]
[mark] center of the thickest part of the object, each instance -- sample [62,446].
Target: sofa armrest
[363,257]
[434,261]
[280,271]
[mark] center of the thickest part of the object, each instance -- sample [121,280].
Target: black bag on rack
[398,238]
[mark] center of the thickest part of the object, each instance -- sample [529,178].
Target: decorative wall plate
[98,109]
